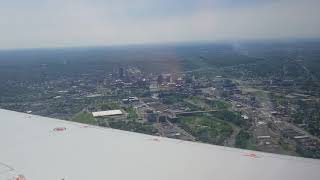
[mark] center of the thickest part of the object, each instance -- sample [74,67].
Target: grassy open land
[172,98]
[258,93]
[230,116]
[208,104]
[84,117]
[197,101]
[206,129]
[219,104]
[108,105]
[244,140]
[132,114]
[288,147]
[133,126]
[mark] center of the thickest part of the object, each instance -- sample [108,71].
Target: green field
[132,114]
[109,105]
[230,116]
[133,126]
[172,98]
[244,140]
[208,104]
[206,129]
[84,117]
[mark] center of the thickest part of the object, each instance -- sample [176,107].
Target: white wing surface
[39,148]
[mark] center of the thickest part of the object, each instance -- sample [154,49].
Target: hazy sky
[56,23]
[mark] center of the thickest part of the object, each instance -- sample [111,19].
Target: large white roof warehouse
[106,113]
[38,148]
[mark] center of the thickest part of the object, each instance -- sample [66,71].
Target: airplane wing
[39,148]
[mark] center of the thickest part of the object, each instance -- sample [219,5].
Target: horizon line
[260,40]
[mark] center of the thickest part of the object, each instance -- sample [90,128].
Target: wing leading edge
[37,148]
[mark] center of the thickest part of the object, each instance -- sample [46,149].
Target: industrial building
[107,113]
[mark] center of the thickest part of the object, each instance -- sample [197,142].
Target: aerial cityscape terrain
[260,96]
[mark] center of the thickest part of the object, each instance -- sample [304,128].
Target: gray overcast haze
[59,23]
